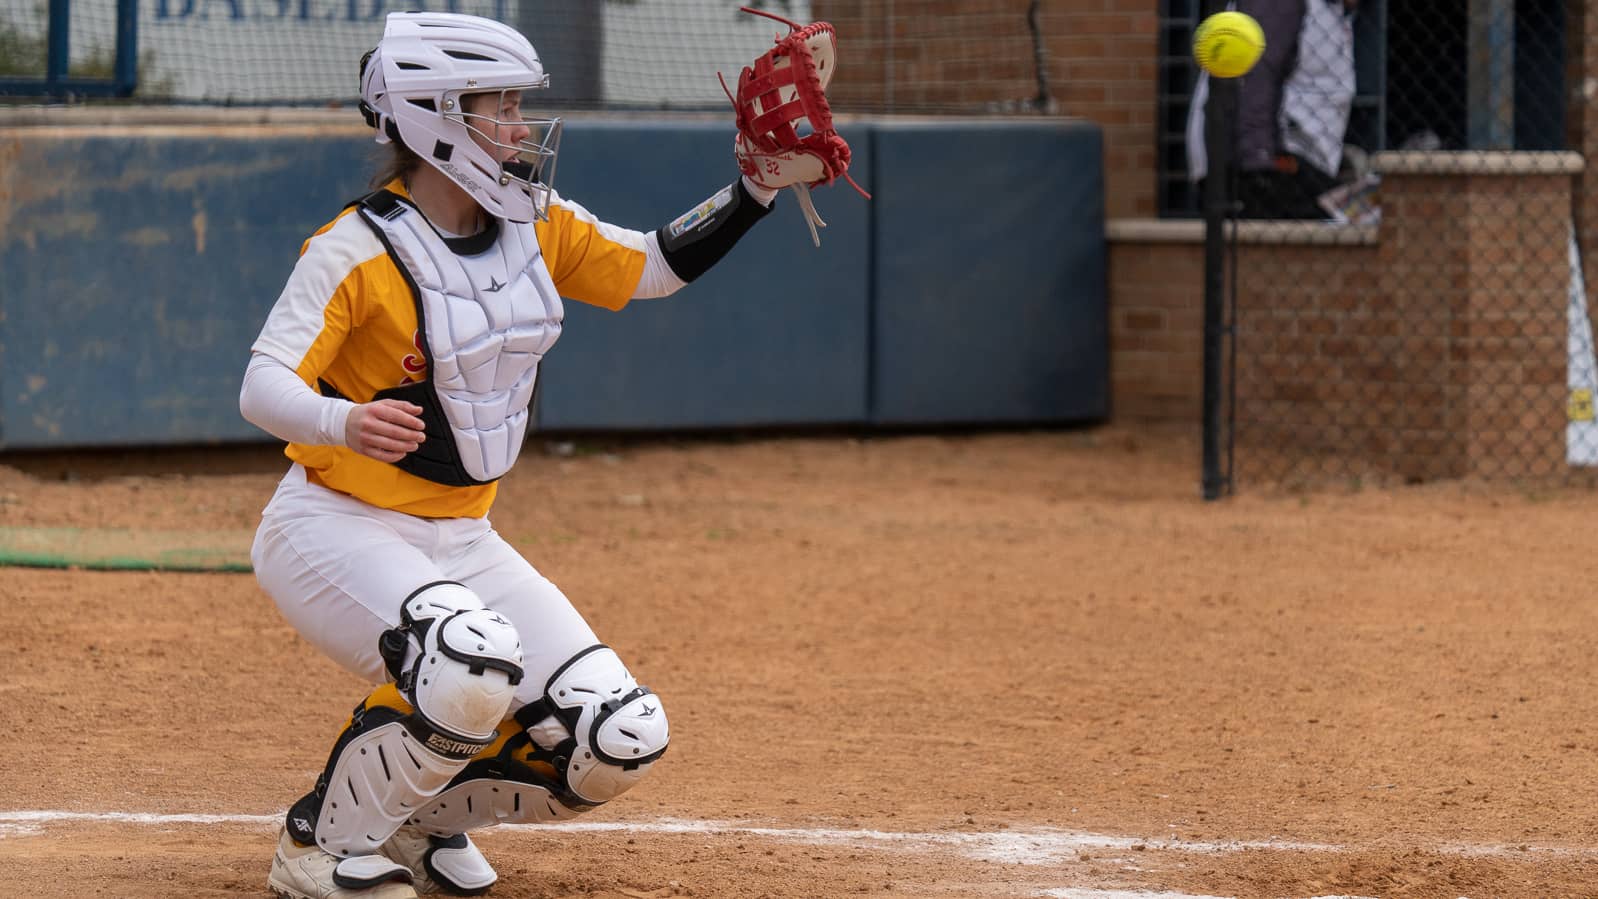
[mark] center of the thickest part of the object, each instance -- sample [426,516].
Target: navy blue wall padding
[138,270]
[773,334]
[990,276]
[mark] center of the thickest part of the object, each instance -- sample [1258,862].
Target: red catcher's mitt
[782,93]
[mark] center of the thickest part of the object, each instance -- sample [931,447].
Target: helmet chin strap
[518,169]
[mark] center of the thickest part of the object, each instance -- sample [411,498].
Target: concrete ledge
[1477,162]
[1286,232]
[1154,231]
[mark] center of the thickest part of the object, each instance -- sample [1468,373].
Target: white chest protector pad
[488,312]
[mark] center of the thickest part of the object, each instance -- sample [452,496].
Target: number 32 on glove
[782,94]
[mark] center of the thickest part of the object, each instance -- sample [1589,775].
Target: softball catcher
[399,363]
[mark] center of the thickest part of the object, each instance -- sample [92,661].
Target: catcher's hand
[783,90]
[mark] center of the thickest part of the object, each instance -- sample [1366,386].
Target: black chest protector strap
[437,459]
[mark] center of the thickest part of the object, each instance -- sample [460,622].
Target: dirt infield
[1000,665]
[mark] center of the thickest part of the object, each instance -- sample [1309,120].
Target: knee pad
[456,666]
[593,734]
[601,727]
[454,660]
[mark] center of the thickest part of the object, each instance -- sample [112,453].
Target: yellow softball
[1228,44]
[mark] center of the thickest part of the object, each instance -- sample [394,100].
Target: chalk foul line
[1022,846]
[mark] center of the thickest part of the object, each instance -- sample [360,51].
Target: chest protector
[487,311]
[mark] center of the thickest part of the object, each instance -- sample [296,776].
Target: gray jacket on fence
[1260,92]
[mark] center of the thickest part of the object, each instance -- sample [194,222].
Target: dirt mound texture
[914,666]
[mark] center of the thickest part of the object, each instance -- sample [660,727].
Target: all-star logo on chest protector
[487,319]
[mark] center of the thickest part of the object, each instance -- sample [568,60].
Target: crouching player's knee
[456,666]
[592,735]
[602,726]
[456,661]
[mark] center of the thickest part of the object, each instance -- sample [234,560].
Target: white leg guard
[457,666]
[383,773]
[479,797]
[594,734]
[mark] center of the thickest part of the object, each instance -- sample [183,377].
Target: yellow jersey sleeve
[590,261]
[348,317]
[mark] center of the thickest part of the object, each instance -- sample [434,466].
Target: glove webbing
[772,131]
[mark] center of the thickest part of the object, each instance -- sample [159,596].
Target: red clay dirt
[992,665]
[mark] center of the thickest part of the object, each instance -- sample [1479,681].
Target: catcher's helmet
[411,89]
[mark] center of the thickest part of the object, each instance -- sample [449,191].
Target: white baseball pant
[339,569]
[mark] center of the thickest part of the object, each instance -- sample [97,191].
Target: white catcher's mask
[411,90]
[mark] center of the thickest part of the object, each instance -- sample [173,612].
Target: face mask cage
[528,162]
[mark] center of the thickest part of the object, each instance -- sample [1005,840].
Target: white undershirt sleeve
[658,280]
[762,195]
[274,399]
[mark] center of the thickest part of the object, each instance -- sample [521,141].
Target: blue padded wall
[990,278]
[138,268]
[137,265]
[774,334]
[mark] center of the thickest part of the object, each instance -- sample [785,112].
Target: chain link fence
[602,54]
[981,57]
[1405,299]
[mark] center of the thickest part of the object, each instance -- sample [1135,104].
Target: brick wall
[1433,346]
[1100,64]
[1156,329]
[1412,347]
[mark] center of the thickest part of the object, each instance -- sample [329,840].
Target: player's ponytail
[397,161]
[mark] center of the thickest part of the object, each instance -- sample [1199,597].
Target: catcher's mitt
[784,90]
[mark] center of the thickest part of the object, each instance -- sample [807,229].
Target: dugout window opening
[1430,75]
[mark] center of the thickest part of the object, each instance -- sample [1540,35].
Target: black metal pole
[1220,117]
[57,58]
[125,76]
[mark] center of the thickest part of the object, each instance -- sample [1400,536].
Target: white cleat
[308,872]
[450,865]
